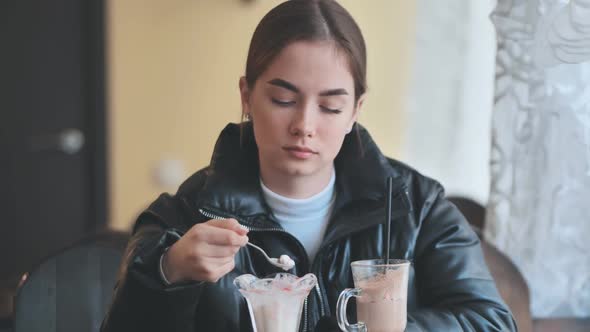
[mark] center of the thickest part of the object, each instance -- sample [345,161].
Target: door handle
[69,141]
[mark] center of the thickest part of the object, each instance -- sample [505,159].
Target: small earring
[248,117]
[348,131]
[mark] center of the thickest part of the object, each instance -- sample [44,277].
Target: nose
[303,122]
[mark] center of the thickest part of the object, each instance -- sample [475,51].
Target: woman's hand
[206,252]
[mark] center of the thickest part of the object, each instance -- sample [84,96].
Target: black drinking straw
[388,217]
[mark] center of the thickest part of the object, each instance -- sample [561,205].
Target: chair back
[71,290]
[510,282]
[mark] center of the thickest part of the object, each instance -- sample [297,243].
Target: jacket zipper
[214,216]
[305,315]
[317,288]
[273,229]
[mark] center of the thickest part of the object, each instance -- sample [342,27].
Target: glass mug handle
[341,311]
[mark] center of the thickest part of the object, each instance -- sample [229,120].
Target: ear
[356,111]
[244,95]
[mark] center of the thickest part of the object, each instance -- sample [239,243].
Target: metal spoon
[273,261]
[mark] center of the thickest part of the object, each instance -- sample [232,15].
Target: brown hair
[308,20]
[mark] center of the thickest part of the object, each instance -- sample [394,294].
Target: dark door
[52,128]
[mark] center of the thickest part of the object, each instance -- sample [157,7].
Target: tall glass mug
[381,292]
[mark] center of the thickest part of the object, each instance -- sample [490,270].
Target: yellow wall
[173,75]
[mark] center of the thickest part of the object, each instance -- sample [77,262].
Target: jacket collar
[232,182]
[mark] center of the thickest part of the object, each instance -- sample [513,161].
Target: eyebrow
[286,85]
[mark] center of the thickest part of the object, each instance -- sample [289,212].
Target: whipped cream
[287,262]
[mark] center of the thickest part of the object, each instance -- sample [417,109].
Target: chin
[298,170]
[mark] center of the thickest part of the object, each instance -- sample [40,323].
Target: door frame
[94,51]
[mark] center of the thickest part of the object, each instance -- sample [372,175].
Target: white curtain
[539,204]
[451,95]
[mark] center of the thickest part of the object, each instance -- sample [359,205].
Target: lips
[299,148]
[300,152]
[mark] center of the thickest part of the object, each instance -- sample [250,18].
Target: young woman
[306,181]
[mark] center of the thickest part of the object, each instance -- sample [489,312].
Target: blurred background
[105,104]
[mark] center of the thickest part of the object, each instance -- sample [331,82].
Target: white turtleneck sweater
[306,219]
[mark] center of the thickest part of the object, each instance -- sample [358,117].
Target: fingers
[208,249]
[227,267]
[229,224]
[222,270]
[217,251]
[212,263]
[211,234]
[214,269]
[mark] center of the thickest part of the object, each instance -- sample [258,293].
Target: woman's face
[302,107]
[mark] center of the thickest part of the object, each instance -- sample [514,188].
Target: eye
[282,103]
[330,110]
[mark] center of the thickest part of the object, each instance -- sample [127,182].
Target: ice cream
[287,262]
[275,304]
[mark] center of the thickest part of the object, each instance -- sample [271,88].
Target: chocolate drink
[382,305]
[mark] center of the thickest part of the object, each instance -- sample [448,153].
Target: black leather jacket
[450,287]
